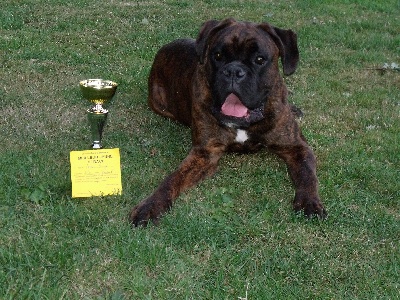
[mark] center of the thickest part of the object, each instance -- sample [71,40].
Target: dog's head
[241,61]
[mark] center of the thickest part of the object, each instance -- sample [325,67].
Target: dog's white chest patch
[241,136]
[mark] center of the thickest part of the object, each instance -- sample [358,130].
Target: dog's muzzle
[233,113]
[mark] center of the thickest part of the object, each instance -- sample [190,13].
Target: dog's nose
[234,72]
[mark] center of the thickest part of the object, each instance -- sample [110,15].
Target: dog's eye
[260,60]
[218,56]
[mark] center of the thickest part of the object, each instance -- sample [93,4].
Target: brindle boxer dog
[227,87]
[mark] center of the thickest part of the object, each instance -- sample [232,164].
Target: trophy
[98,92]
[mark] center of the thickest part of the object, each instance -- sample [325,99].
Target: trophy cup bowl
[98,92]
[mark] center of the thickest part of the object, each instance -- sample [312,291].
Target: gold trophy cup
[98,92]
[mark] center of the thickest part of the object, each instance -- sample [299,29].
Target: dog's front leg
[301,164]
[200,163]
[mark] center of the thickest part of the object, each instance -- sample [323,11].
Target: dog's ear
[207,31]
[286,40]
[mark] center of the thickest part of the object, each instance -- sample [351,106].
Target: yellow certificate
[95,173]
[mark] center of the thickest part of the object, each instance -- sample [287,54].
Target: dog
[226,85]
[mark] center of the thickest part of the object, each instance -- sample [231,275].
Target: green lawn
[234,236]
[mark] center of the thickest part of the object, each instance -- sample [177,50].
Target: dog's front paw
[148,210]
[310,205]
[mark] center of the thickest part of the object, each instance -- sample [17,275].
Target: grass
[232,237]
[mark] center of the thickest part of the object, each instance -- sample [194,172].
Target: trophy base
[96,145]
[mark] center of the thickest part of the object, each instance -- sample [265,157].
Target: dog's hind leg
[158,101]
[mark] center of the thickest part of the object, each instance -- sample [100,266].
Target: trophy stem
[97,120]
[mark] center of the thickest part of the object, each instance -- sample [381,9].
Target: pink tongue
[233,107]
